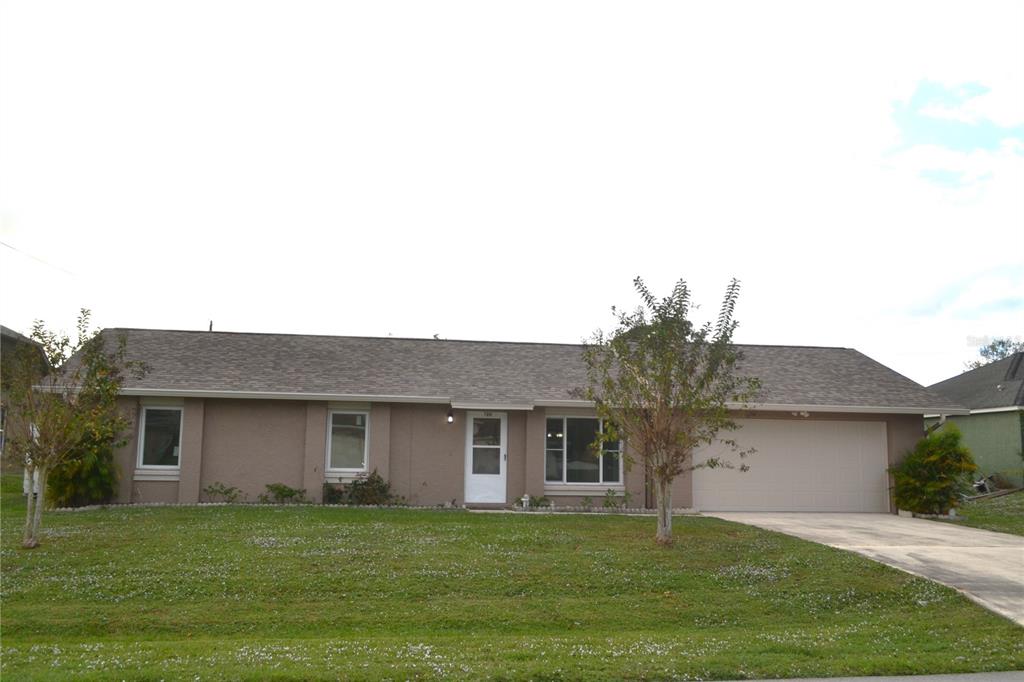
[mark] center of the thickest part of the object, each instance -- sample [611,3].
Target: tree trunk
[35,520]
[663,498]
[27,540]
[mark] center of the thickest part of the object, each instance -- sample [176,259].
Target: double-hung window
[160,441]
[570,455]
[348,442]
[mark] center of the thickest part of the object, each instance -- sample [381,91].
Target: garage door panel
[798,466]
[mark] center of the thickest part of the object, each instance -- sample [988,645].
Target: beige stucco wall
[250,443]
[155,491]
[904,430]
[682,492]
[516,480]
[125,455]
[427,453]
[314,449]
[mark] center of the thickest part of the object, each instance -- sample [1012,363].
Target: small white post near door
[486,456]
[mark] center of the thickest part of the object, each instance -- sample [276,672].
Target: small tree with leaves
[997,349]
[667,386]
[62,412]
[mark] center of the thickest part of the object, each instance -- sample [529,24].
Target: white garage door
[799,466]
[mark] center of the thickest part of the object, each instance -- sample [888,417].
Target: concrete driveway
[988,567]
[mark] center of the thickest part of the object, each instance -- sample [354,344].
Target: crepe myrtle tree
[61,408]
[665,386]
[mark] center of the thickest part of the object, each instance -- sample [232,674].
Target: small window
[346,447]
[570,455]
[161,438]
[582,461]
[554,453]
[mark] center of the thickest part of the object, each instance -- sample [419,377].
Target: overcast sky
[503,170]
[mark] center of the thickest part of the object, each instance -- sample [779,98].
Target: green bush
[539,502]
[614,501]
[90,478]
[226,493]
[334,493]
[281,493]
[931,476]
[364,490]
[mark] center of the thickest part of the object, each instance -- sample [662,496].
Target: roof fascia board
[780,407]
[856,409]
[1008,408]
[563,403]
[456,405]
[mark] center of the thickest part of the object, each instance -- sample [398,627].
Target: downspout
[937,425]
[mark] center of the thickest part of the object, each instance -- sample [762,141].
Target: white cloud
[1003,105]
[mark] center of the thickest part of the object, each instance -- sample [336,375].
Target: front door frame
[487,496]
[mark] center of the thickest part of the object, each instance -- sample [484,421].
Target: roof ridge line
[1011,374]
[420,338]
[1014,364]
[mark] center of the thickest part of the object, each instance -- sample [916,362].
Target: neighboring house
[483,423]
[12,343]
[994,429]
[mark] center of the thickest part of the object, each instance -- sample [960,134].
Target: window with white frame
[160,444]
[570,455]
[348,442]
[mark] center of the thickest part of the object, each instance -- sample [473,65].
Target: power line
[36,258]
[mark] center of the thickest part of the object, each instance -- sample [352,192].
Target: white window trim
[160,471]
[596,490]
[344,472]
[580,486]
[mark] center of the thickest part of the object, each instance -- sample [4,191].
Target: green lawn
[312,592]
[1004,514]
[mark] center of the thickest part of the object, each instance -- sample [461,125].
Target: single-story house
[483,423]
[994,429]
[11,344]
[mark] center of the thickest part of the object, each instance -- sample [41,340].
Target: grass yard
[1004,514]
[312,592]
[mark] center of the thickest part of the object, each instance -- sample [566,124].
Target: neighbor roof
[474,373]
[9,333]
[11,340]
[997,384]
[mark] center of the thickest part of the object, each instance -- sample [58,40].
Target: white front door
[486,456]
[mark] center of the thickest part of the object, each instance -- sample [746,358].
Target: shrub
[614,501]
[929,478]
[226,493]
[91,478]
[587,502]
[539,502]
[369,489]
[334,493]
[282,494]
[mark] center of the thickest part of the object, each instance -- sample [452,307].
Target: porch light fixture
[451,416]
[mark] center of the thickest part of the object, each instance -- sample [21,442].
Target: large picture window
[160,447]
[570,455]
[347,441]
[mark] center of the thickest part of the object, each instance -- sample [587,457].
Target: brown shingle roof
[997,384]
[485,372]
